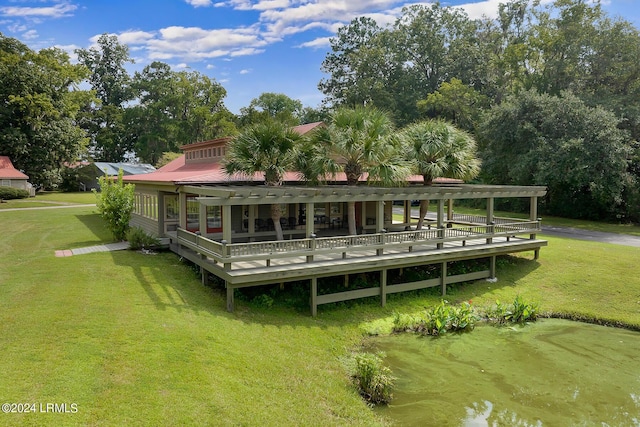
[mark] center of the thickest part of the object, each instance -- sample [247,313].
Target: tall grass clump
[373,380]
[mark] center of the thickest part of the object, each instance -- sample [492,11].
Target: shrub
[262,301]
[373,379]
[139,239]
[10,193]
[115,204]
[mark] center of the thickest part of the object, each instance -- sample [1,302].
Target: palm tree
[439,150]
[267,147]
[358,142]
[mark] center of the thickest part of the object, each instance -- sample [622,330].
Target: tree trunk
[275,216]
[351,217]
[424,208]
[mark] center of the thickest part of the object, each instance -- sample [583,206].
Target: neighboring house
[11,177]
[223,224]
[87,173]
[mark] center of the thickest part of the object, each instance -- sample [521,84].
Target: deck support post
[383,287]
[314,296]
[443,278]
[492,267]
[205,276]
[230,290]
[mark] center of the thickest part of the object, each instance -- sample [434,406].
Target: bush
[115,204]
[373,379]
[10,193]
[139,239]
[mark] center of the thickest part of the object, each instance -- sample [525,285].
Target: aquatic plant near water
[373,379]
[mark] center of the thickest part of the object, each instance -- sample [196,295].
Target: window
[171,208]
[214,219]
[193,214]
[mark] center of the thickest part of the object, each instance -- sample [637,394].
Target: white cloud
[57,11]
[135,37]
[17,28]
[210,66]
[320,42]
[181,66]
[30,35]
[245,71]
[270,4]
[199,3]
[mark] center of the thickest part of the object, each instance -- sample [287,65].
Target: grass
[136,339]
[50,198]
[608,227]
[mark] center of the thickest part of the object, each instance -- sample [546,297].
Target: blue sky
[249,46]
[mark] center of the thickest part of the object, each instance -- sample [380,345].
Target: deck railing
[228,253]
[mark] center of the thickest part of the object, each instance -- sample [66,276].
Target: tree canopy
[39,103]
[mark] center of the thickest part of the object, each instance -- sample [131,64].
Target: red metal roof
[7,171]
[179,171]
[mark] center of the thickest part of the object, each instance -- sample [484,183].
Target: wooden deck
[258,263]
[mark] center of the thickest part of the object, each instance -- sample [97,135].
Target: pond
[547,373]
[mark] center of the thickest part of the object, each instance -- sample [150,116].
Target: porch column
[380,216]
[450,210]
[388,213]
[251,229]
[440,221]
[381,212]
[182,210]
[407,212]
[490,204]
[202,219]
[309,226]
[533,216]
[226,223]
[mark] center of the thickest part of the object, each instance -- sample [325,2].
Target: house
[85,174]
[222,223]
[11,177]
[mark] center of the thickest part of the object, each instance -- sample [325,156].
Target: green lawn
[135,339]
[50,198]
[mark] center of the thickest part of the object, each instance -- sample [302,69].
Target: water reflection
[549,373]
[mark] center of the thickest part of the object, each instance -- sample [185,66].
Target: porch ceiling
[256,195]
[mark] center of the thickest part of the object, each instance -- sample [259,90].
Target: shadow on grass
[97,226]
[170,283]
